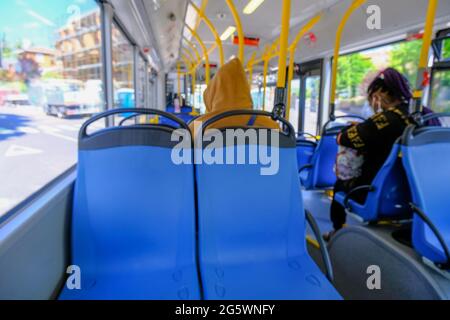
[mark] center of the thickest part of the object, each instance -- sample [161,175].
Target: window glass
[256,92]
[312,104]
[198,98]
[141,83]
[123,69]
[50,78]
[441,93]
[270,98]
[446,49]
[294,112]
[357,70]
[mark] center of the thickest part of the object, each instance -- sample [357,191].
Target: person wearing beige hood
[229,90]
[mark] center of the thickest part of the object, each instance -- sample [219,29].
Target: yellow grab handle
[239,28]
[354,6]
[205,53]
[311,23]
[213,31]
[424,54]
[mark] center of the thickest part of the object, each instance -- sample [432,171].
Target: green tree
[405,58]
[352,70]
[446,49]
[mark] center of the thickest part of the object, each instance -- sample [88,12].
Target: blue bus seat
[186,117]
[319,173]
[170,108]
[130,238]
[305,151]
[252,227]
[186,109]
[389,195]
[426,155]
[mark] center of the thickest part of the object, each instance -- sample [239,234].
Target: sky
[34,22]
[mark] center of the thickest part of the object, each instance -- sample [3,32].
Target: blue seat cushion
[297,279]
[162,284]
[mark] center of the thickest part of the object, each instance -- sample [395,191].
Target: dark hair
[393,83]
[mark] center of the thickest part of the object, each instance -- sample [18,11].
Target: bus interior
[98,202]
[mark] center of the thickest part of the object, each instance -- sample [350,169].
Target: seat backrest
[391,195]
[170,108]
[426,157]
[245,216]
[322,173]
[134,209]
[305,152]
[186,109]
[186,117]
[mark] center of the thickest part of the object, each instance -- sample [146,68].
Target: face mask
[376,105]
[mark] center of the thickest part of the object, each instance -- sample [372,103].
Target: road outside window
[50,81]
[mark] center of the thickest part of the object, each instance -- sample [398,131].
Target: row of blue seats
[144,227]
[412,184]
[185,114]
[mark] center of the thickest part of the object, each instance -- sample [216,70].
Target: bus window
[270,98]
[356,70]
[446,49]
[199,103]
[256,92]
[312,104]
[294,112]
[123,71]
[441,93]
[50,78]
[141,85]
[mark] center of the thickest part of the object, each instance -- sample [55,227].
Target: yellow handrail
[193,71]
[205,52]
[190,57]
[213,31]
[239,28]
[179,80]
[250,69]
[203,8]
[266,60]
[193,48]
[284,42]
[354,6]
[311,23]
[190,68]
[426,44]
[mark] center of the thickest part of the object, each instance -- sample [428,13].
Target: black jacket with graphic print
[375,138]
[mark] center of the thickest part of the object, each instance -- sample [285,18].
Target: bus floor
[318,203]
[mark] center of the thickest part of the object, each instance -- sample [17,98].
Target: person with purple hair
[389,95]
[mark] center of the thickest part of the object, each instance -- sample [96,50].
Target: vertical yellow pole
[292,50]
[354,6]
[205,53]
[239,28]
[266,67]
[194,75]
[423,63]
[290,78]
[284,39]
[250,69]
[280,93]
[179,80]
[192,68]
[213,31]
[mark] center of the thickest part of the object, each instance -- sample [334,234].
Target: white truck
[66,98]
